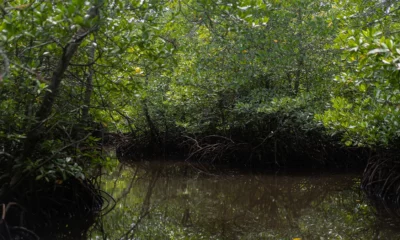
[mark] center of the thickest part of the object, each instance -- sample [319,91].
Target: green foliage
[365,106]
[35,37]
[58,167]
[163,69]
[235,59]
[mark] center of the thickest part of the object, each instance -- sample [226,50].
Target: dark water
[183,201]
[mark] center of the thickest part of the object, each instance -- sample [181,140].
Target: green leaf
[378,50]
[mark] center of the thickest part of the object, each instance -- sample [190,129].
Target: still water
[186,201]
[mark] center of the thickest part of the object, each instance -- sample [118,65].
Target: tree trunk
[35,134]
[154,138]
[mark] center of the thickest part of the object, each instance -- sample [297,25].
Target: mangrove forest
[199,119]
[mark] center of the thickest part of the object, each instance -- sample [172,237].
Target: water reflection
[180,201]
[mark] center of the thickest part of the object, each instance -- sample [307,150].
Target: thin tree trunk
[88,87]
[153,129]
[300,60]
[150,123]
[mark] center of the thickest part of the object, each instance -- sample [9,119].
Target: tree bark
[35,134]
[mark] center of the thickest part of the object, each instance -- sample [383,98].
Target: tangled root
[13,229]
[382,176]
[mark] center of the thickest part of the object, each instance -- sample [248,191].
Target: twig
[36,46]
[6,62]
[86,64]
[30,71]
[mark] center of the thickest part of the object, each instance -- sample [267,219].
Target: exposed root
[210,148]
[9,231]
[53,209]
[382,176]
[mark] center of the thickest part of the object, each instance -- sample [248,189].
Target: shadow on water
[186,201]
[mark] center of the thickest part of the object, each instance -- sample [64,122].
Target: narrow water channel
[183,201]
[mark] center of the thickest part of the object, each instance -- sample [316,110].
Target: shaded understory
[46,210]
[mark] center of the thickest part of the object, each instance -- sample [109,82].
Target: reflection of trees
[387,210]
[176,201]
[145,209]
[256,204]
